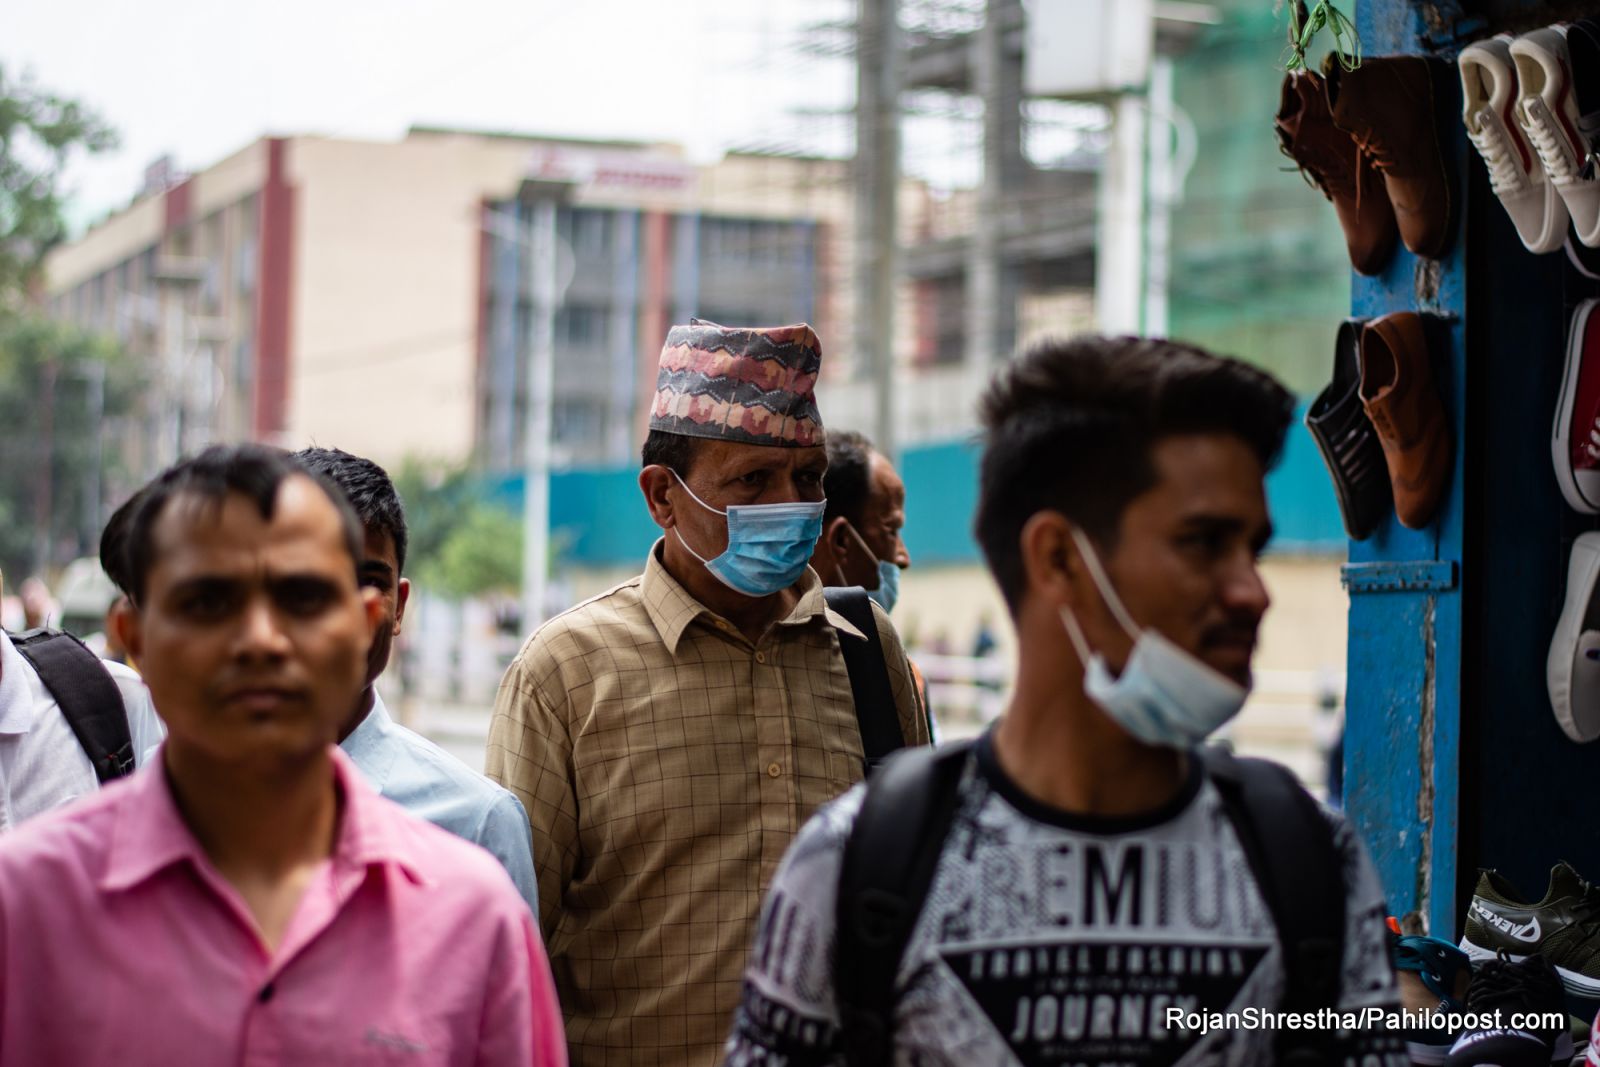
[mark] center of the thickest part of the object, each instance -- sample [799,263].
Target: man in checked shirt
[670,736]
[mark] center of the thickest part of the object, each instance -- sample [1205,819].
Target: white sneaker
[1572,670]
[1489,100]
[1547,110]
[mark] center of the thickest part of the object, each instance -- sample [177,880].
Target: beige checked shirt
[666,763]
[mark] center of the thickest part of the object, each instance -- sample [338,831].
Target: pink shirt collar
[151,835]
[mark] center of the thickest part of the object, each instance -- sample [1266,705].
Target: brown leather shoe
[1403,403]
[1330,158]
[1390,105]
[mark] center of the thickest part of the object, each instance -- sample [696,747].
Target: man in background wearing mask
[669,737]
[1087,876]
[866,508]
[860,542]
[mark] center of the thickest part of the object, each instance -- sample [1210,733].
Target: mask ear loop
[697,500]
[1102,581]
[862,541]
[1080,644]
[703,504]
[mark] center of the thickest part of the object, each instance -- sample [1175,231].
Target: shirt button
[761,657]
[773,770]
[266,993]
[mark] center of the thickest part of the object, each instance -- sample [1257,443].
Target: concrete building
[373,295]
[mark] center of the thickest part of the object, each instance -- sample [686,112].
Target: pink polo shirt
[121,944]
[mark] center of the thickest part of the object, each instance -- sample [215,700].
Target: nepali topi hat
[755,385]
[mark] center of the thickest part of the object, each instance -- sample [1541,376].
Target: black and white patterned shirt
[1055,940]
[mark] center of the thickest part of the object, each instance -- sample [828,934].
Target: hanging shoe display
[1330,159]
[1572,668]
[1575,435]
[1389,105]
[1347,440]
[1398,392]
[1547,110]
[1516,174]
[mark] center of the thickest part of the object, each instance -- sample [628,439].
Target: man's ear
[129,628]
[402,596]
[837,535]
[654,481]
[1051,562]
[372,605]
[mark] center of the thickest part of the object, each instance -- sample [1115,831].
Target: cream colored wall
[105,245]
[384,305]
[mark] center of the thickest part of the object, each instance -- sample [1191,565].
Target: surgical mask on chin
[769,545]
[1164,695]
[888,590]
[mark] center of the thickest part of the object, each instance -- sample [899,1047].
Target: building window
[580,326]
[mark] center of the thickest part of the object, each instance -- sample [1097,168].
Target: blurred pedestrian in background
[402,765]
[668,737]
[861,543]
[68,722]
[38,606]
[250,898]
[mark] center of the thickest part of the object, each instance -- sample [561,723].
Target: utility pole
[983,252]
[551,271]
[879,63]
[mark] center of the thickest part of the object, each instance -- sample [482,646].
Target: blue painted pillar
[1403,702]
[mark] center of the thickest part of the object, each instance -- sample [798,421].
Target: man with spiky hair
[1084,883]
[403,765]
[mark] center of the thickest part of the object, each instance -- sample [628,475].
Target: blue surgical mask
[769,545]
[888,590]
[1164,695]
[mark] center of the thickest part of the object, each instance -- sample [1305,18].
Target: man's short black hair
[674,451]
[253,471]
[114,542]
[849,476]
[1069,424]
[368,488]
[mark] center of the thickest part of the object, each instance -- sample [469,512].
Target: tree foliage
[461,543]
[39,132]
[64,398]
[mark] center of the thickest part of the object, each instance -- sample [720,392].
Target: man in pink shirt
[247,899]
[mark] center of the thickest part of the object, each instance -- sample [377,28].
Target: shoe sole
[1577,984]
[1560,431]
[1562,663]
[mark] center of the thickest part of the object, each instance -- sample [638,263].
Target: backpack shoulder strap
[876,715]
[1289,844]
[887,868]
[88,696]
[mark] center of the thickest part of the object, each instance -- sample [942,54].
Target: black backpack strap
[876,714]
[888,865]
[1289,844]
[88,696]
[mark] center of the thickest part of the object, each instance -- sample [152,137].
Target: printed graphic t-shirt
[1053,940]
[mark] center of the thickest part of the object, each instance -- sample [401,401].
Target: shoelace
[1499,982]
[1554,151]
[1492,144]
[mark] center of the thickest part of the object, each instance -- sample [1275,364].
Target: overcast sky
[201,78]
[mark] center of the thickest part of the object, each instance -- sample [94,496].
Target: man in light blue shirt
[401,764]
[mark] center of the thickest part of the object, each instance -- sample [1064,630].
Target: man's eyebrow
[204,583]
[378,566]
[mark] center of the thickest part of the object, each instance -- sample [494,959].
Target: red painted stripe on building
[177,205]
[655,312]
[276,277]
